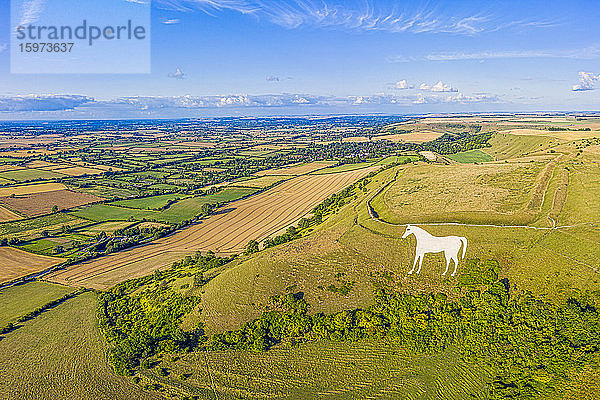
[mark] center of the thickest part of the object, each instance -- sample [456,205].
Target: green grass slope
[60,354]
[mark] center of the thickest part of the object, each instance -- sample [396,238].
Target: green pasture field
[149,203]
[28,228]
[470,156]
[64,356]
[21,299]
[180,211]
[29,174]
[46,246]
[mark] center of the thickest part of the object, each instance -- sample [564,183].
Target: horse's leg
[420,263]
[414,264]
[455,258]
[447,263]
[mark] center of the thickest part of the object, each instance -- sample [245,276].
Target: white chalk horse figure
[427,243]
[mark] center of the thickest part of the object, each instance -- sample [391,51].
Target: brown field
[414,137]
[77,171]
[30,189]
[28,153]
[7,167]
[297,169]
[36,204]
[15,263]
[7,215]
[41,164]
[226,232]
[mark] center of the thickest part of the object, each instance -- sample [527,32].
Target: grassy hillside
[353,247]
[64,356]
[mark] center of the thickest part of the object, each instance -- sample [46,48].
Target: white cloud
[419,17]
[2,47]
[178,74]
[587,81]
[457,98]
[403,84]
[31,11]
[171,21]
[189,103]
[585,53]
[438,87]
[42,102]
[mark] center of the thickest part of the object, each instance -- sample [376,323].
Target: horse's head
[409,231]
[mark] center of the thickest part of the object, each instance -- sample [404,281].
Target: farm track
[255,217]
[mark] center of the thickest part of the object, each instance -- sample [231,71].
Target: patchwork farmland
[227,232]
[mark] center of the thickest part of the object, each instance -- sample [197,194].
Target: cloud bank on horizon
[145,103]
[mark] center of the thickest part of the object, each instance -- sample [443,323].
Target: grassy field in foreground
[470,156]
[21,299]
[322,370]
[60,354]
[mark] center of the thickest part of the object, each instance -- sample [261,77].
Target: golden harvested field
[77,171]
[7,215]
[29,153]
[36,204]
[30,189]
[414,137]
[8,167]
[226,232]
[297,169]
[42,164]
[15,263]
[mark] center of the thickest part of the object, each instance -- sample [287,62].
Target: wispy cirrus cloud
[31,11]
[417,17]
[2,47]
[587,81]
[586,53]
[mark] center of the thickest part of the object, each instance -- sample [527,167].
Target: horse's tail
[463,240]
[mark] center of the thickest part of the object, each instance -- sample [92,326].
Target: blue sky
[233,57]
